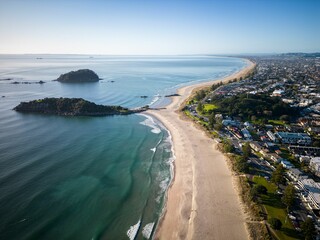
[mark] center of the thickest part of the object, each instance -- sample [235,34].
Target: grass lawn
[209,107]
[275,208]
[276,122]
[188,113]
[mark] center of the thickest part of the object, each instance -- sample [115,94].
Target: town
[268,123]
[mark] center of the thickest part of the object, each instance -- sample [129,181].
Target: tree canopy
[288,196]
[278,175]
[254,106]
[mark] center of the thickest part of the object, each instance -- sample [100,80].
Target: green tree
[218,126]
[285,118]
[288,196]
[242,166]
[258,190]
[308,229]
[316,143]
[200,95]
[246,149]
[278,175]
[200,107]
[261,189]
[275,223]
[212,121]
[228,147]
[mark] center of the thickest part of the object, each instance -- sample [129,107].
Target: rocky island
[72,107]
[79,76]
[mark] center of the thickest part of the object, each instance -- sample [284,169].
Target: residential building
[286,164]
[315,165]
[255,146]
[295,174]
[311,193]
[294,138]
[271,136]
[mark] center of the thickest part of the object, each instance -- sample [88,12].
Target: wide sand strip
[202,200]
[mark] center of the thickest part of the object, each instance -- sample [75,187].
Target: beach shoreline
[202,200]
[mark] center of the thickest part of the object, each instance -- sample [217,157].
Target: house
[275,157]
[294,138]
[248,125]
[230,123]
[255,146]
[246,134]
[271,136]
[286,164]
[277,93]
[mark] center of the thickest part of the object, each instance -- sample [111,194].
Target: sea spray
[147,230]
[149,122]
[133,230]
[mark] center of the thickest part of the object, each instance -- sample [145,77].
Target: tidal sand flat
[202,200]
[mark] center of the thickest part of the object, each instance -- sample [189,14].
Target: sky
[164,27]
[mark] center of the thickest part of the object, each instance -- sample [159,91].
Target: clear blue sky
[159,26]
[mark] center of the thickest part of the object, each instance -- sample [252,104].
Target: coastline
[202,200]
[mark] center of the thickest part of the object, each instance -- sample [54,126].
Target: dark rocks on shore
[72,107]
[173,95]
[79,76]
[40,82]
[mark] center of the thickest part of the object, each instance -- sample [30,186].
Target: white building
[311,193]
[295,174]
[271,136]
[277,93]
[315,165]
[255,146]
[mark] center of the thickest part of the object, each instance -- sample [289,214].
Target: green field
[276,122]
[209,107]
[275,208]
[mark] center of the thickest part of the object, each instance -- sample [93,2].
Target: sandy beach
[203,202]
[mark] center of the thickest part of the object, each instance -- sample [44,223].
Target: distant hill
[79,76]
[71,107]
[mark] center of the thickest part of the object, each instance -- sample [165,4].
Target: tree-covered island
[72,107]
[79,76]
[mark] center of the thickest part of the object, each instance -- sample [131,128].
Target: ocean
[90,177]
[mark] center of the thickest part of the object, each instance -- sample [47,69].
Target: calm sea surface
[89,177]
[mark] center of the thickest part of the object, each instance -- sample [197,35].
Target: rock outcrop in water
[72,107]
[79,76]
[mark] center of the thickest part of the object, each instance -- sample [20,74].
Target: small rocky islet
[79,76]
[72,107]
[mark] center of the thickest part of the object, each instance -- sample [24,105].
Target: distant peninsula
[72,107]
[79,76]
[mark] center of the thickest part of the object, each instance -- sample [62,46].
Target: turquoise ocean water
[90,177]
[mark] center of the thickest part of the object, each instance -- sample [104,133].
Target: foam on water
[149,122]
[155,99]
[147,230]
[133,230]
